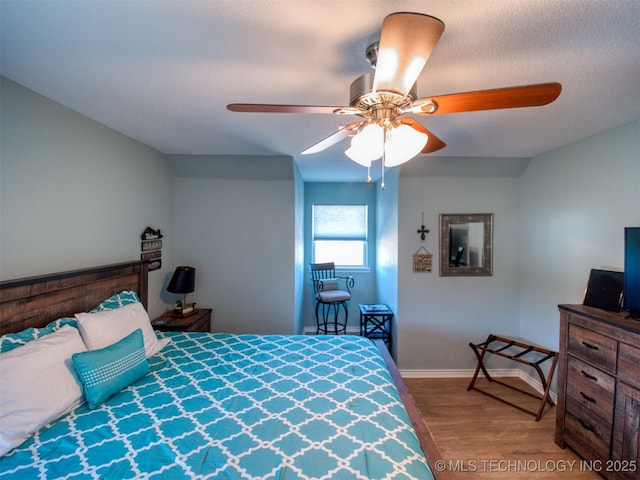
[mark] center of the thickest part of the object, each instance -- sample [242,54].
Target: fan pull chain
[384,154]
[382,182]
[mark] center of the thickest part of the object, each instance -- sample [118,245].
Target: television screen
[604,290]
[632,270]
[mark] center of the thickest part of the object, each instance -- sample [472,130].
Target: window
[340,235]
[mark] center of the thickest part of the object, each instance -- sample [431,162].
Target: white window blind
[340,234]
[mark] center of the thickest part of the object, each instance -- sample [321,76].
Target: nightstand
[197,321]
[376,323]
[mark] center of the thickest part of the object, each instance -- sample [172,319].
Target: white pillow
[101,329]
[38,384]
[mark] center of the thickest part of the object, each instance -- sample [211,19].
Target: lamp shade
[183,280]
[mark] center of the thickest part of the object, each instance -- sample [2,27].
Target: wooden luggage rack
[516,350]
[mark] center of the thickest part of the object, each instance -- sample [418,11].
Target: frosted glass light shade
[358,156]
[367,145]
[403,143]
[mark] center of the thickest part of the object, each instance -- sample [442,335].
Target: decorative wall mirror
[466,244]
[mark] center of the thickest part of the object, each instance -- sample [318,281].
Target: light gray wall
[74,193]
[240,235]
[299,254]
[576,202]
[387,248]
[439,316]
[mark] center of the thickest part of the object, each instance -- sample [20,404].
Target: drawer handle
[590,346]
[590,377]
[588,398]
[586,426]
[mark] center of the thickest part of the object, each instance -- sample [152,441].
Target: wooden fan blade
[495,99]
[433,143]
[406,43]
[267,108]
[334,138]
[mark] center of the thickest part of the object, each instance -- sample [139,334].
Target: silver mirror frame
[448,219]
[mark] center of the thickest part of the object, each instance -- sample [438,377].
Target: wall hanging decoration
[422,261]
[466,244]
[151,248]
[422,231]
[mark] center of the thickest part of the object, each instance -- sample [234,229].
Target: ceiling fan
[386,96]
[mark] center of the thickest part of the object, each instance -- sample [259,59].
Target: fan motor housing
[362,96]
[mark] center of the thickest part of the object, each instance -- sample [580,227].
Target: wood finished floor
[482,438]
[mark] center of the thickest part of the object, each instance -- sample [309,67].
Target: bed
[212,405]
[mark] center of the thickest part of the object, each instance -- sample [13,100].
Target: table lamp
[183,281]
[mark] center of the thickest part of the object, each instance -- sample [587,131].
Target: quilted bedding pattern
[226,406]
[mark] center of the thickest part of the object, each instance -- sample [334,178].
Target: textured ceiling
[162,72]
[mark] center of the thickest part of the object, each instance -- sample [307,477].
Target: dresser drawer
[592,347]
[629,364]
[586,433]
[590,387]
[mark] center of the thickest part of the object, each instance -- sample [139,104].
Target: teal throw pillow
[108,370]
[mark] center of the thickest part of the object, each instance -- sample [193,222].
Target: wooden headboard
[36,301]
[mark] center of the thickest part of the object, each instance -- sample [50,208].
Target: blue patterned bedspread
[238,407]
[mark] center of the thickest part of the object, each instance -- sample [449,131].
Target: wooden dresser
[598,412]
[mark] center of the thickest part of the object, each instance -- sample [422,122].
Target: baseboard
[468,373]
[498,372]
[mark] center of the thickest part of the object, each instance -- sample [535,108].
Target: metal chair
[329,295]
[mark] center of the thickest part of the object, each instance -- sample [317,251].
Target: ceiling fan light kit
[397,145]
[382,98]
